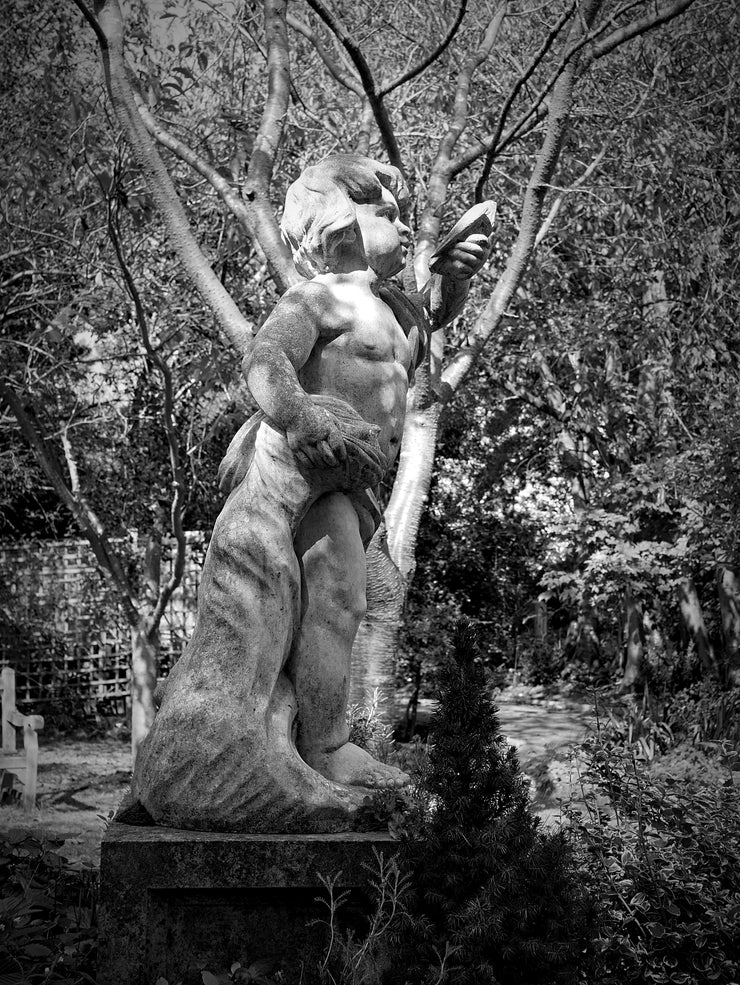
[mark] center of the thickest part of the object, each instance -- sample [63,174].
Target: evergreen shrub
[493,899]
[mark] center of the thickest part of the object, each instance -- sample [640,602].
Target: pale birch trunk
[413,479]
[634,645]
[143,682]
[694,622]
[540,621]
[373,653]
[728,591]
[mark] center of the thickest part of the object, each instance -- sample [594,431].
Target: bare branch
[439,179]
[74,475]
[536,111]
[168,419]
[368,82]
[558,202]
[424,64]
[363,134]
[531,218]
[182,150]
[256,190]
[279,260]
[335,70]
[636,28]
[109,32]
[514,92]
[90,524]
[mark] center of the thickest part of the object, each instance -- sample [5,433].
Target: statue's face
[385,238]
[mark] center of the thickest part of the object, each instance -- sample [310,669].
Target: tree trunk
[634,643]
[417,455]
[374,650]
[694,622]
[143,682]
[411,488]
[391,559]
[540,620]
[728,590]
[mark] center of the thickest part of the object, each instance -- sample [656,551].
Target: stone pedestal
[174,902]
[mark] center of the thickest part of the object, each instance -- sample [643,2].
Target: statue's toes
[393,781]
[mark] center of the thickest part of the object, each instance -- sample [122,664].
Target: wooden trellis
[62,629]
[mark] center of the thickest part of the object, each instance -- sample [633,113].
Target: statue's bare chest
[368,331]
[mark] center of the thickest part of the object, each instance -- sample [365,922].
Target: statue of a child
[252,732]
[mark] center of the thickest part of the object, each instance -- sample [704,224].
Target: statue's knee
[353,605]
[333,584]
[357,606]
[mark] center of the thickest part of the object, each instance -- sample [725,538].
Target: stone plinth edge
[174,901]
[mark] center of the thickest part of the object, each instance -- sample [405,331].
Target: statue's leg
[333,567]
[220,754]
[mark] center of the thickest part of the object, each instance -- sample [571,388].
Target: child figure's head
[321,214]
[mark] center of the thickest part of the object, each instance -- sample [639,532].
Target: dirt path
[81,782]
[544,736]
[78,781]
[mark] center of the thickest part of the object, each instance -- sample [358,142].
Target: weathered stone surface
[251,735]
[174,902]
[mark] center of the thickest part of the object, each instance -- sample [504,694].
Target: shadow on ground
[81,782]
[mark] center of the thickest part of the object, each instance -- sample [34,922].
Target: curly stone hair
[320,206]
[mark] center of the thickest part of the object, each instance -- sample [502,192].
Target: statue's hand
[465,258]
[316,439]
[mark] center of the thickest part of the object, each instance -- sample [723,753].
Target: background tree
[473,99]
[115,401]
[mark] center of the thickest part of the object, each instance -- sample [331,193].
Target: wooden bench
[24,764]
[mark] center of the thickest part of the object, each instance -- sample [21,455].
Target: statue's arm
[447,290]
[444,299]
[282,347]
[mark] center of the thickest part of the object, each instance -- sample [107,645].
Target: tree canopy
[587,395]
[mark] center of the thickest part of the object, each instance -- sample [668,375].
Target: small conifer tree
[494,900]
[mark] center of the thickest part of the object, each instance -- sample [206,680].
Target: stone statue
[251,735]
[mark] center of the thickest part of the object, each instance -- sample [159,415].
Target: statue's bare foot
[355,767]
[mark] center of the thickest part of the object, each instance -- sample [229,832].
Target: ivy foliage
[47,915]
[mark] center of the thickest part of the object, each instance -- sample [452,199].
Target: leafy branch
[429,59]
[177,471]
[107,24]
[73,499]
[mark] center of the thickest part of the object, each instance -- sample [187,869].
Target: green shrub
[47,915]
[368,730]
[636,725]
[541,662]
[364,960]
[492,899]
[663,853]
[706,713]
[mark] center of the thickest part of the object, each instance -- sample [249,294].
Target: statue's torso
[365,357]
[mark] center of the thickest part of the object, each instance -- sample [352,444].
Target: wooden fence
[62,629]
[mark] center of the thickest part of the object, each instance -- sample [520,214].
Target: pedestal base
[175,902]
